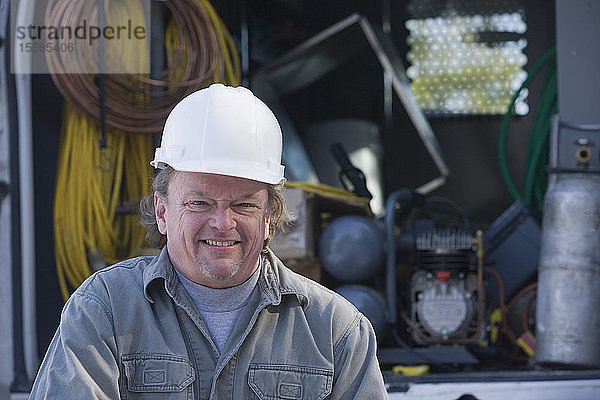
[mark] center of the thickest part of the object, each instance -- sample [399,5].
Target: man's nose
[223,219]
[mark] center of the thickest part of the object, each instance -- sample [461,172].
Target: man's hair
[280,219]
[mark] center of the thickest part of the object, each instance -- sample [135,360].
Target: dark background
[355,90]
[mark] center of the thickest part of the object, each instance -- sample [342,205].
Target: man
[216,315]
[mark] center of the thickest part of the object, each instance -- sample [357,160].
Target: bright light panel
[468,64]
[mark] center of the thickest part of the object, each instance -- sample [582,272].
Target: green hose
[540,137]
[538,141]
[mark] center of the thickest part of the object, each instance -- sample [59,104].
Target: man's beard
[214,271]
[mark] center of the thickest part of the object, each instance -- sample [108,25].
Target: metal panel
[578,60]
[496,385]
[578,63]
[23,62]
[537,390]
[6,317]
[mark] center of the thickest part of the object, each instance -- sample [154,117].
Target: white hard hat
[222,130]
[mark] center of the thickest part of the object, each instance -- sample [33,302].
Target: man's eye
[245,205]
[198,203]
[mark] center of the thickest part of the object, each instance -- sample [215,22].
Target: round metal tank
[568,298]
[369,302]
[351,248]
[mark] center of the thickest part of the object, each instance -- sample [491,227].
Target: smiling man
[216,226]
[216,315]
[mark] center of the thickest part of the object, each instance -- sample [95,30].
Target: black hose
[350,172]
[397,200]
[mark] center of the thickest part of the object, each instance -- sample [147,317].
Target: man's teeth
[215,243]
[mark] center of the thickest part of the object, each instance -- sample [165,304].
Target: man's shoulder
[324,309]
[319,298]
[124,275]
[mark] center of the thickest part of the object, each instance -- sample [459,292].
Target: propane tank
[369,302]
[568,298]
[351,248]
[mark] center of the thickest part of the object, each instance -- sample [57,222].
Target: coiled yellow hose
[93,181]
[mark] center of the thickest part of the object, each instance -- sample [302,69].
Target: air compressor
[445,289]
[444,300]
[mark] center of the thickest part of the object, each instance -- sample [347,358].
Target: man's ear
[159,210]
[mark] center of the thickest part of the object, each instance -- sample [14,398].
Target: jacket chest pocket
[293,382]
[157,376]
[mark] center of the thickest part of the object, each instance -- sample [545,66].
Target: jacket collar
[159,269]
[278,280]
[275,279]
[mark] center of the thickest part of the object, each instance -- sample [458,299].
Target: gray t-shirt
[220,308]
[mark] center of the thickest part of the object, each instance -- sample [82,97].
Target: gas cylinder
[369,302]
[568,298]
[351,248]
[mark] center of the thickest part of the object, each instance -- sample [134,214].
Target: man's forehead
[214,184]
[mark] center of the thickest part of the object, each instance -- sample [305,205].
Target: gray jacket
[131,331]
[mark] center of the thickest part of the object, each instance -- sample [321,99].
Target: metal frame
[334,46]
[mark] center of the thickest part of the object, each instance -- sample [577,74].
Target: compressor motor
[444,289]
